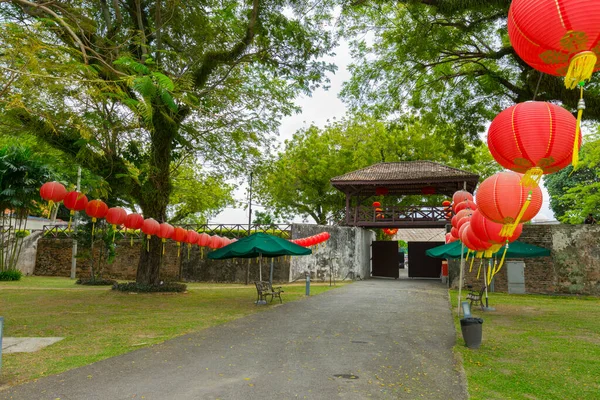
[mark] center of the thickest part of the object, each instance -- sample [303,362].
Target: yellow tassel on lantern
[479,270]
[489,276]
[532,177]
[471,266]
[178,249]
[580,108]
[114,231]
[93,227]
[509,229]
[163,246]
[50,206]
[580,69]
[479,254]
[147,243]
[468,253]
[71,213]
[502,259]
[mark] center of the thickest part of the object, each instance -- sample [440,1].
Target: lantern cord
[479,270]
[509,229]
[580,108]
[580,69]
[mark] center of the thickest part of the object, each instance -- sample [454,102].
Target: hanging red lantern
[463,221]
[557,37]
[428,190]
[450,238]
[464,238]
[376,204]
[74,201]
[96,209]
[134,221]
[463,205]
[390,232]
[204,240]
[179,235]
[446,203]
[478,243]
[461,195]
[52,192]
[533,138]
[460,215]
[381,191]
[150,227]
[215,242]
[454,232]
[116,216]
[192,237]
[165,231]
[489,231]
[502,199]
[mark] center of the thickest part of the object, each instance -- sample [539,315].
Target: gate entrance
[385,261]
[421,265]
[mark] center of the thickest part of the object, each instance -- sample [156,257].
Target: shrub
[10,275]
[22,233]
[96,282]
[139,288]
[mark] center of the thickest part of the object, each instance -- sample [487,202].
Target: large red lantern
[179,235]
[96,209]
[53,192]
[150,227]
[134,221]
[191,238]
[215,242]
[74,201]
[557,37]
[489,231]
[502,199]
[461,195]
[466,213]
[165,231]
[463,205]
[116,216]
[533,138]
[204,240]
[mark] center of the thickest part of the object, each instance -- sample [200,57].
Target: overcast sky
[324,105]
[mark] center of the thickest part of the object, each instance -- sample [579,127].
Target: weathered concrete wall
[54,258]
[573,266]
[26,262]
[348,250]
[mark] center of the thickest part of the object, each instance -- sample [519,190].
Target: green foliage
[264,218]
[446,60]
[96,282]
[141,288]
[22,233]
[10,275]
[576,193]
[297,182]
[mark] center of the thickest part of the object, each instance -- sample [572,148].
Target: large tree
[297,182]
[130,87]
[448,60]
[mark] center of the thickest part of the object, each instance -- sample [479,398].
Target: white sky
[319,109]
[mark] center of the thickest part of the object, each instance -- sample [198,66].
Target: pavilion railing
[362,214]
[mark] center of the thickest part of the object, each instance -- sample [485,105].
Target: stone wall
[348,250]
[573,266]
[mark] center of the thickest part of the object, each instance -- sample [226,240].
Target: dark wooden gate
[421,265]
[385,261]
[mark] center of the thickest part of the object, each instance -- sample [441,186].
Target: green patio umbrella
[259,245]
[515,250]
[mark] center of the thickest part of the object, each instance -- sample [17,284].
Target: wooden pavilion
[400,179]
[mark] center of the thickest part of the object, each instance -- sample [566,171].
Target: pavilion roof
[404,178]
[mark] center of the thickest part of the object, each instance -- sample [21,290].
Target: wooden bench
[475,296]
[265,289]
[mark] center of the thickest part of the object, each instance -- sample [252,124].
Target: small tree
[21,176]
[97,248]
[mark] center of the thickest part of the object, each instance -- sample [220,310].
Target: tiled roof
[404,171]
[421,235]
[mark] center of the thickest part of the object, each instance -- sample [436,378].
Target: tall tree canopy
[450,60]
[297,183]
[129,87]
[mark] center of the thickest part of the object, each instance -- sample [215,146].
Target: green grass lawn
[535,347]
[98,323]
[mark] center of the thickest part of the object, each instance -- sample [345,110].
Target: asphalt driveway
[374,339]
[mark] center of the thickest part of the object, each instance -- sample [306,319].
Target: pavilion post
[347,209]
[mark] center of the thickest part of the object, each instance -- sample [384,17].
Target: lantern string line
[538,86]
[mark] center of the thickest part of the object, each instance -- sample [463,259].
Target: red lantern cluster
[312,240]
[390,232]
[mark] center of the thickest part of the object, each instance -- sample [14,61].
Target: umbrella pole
[462,267]
[260,267]
[271,274]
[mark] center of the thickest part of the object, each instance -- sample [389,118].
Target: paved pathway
[376,339]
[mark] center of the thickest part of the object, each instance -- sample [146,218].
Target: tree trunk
[155,190]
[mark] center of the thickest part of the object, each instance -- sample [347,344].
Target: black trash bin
[471,331]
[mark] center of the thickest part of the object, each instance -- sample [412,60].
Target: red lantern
[179,235]
[464,238]
[134,221]
[381,191]
[428,190]
[96,209]
[116,216]
[454,232]
[215,242]
[463,205]
[489,231]
[192,237]
[450,238]
[75,201]
[446,203]
[557,37]
[478,243]
[165,231]
[204,240]
[376,204]
[53,192]
[150,227]
[466,213]
[533,138]
[502,199]
[390,232]
[461,195]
